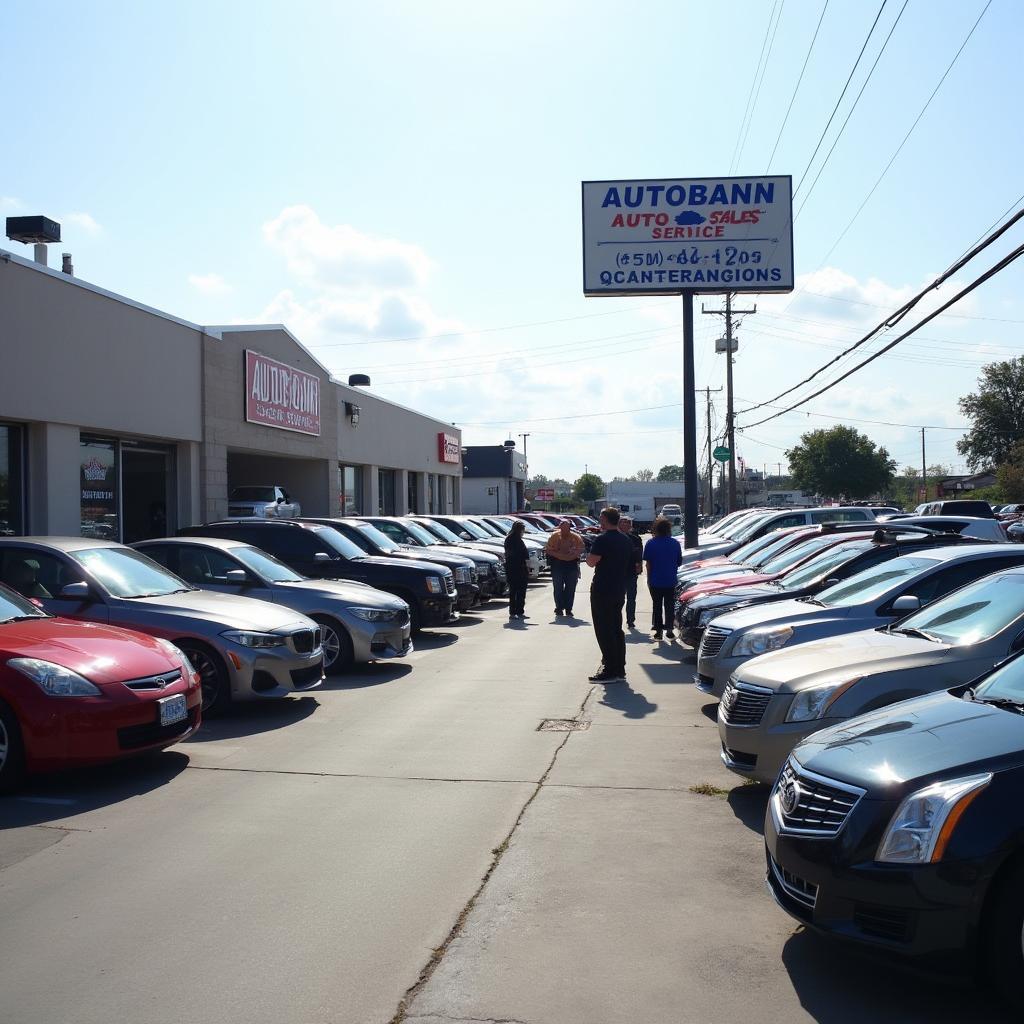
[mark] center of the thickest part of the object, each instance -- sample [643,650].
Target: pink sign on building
[278,395]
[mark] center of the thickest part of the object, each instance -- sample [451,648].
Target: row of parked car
[872,673]
[108,651]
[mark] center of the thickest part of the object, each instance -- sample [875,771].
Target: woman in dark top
[517,570]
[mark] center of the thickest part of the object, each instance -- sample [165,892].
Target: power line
[796,88]
[976,283]
[750,94]
[841,95]
[899,314]
[952,316]
[757,95]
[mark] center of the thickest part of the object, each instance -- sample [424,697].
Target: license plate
[172,709]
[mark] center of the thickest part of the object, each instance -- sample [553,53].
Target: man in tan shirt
[563,549]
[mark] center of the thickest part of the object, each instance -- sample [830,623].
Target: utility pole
[710,507]
[924,468]
[730,416]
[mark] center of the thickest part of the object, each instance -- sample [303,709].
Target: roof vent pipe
[67,266]
[39,254]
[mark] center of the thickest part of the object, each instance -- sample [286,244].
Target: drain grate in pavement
[562,725]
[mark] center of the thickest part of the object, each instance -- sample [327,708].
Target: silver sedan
[359,623]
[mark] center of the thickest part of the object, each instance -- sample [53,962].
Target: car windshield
[973,613]
[500,525]
[489,528]
[380,540]
[420,533]
[1005,683]
[253,494]
[127,573]
[441,532]
[13,607]
[819,567]
[763,548]
[748,527]
[795,554]
[266,565]
[339,542]
[533,528]
[872,583]
[473,530]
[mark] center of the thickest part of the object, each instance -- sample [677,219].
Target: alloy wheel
[5,745]
[209,677]
[331,645]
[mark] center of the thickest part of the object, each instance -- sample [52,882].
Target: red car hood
[707,563]
[103,654]
[722,582]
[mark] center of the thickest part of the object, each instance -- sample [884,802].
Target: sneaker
[568,613]
[631,625]
[670,635]
[657,635]
[599,676]
[558,611]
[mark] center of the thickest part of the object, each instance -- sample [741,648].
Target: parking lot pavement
[309,861]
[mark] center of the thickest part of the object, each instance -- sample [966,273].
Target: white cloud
[342,256]
[85,221]
[209,284]
[10,204]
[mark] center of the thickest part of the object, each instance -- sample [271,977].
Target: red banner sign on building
[448,448]
[278,395]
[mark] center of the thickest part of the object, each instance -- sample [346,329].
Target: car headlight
[54,680]
[706,616]
[924,822]
[177,652]
[375,614]
[761,641]
[247,639]
[434,585]
[816,700]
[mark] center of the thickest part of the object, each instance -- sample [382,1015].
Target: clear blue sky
[368,173]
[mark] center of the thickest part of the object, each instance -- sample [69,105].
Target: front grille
[803,892]
[132,737]
[462,574]
[712,642]
[402,617]
[473,575]
[449,583]
[160,682]
[806,804]
[305,641]
[743,703]
[892,923]
[303,677]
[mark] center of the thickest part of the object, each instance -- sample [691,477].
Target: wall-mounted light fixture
[352,412]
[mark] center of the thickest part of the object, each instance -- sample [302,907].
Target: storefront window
[431,493]
[386,492]
[98,477]
[12,481]
[350,490]
[412,503]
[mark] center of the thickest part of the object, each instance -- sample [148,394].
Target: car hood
[741,592]
[448,551]
[103,654]
[345,590]
[717,583]
[423,563]
[866,652]
[776,613]
[218,610]
[903,745]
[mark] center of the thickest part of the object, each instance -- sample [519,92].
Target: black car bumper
[927,914]
[437,611]
[468,596]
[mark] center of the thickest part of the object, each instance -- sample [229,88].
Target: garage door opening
[305,481]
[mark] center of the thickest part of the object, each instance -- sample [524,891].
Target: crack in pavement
[350,775]
[429,1017]
[401,1014]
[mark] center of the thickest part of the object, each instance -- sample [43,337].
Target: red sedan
[77,693]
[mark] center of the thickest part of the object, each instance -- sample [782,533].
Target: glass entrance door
[145,493]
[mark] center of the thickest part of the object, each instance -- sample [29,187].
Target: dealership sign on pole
[673,235]
[681,236]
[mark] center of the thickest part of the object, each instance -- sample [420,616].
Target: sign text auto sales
[278,395]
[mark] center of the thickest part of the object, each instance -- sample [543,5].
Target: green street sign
[721,453]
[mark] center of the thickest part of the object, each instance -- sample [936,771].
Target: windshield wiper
[918,633]
[812,600]
[22,618]
[997,702]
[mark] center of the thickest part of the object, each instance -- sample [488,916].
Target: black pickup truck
[321,552]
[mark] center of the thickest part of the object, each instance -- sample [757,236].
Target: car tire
[12,751]
[213,676]
[338,653]
[1005,937]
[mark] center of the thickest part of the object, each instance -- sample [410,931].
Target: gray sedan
[775,700]
[358,622]
[241,648]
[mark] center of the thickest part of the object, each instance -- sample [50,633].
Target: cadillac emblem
[789,795]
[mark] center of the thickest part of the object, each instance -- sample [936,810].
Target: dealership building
[120,421]
[494,478]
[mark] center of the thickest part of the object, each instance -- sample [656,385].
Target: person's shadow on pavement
[622,697]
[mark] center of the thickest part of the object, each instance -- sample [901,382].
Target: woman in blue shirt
[663,556]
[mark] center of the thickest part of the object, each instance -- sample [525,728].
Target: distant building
[951,486]
[493,479]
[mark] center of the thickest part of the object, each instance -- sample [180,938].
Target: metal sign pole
[689,428]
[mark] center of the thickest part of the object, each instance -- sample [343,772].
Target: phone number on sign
[730,256]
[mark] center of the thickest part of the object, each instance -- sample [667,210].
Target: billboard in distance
[667,236]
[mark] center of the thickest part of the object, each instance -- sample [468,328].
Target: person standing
[663,556]
[517,570]
[563,549]
[626,527]
[611,558]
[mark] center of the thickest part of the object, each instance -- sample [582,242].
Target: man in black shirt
[611,558]
[626,529]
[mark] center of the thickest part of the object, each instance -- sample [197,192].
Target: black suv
[320,552]
[374,542]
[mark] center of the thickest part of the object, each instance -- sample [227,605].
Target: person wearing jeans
[663,556]
[563,549]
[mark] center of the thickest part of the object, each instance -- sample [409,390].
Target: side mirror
[832,581]
[280,501]
[322,556]
[906,603]
[239,577]
[75,592]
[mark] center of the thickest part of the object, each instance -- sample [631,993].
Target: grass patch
[709,789]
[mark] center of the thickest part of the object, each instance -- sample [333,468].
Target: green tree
[840,462]
[673,473]
[588,487]
[996,412]
[1010,475]
[644,475]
